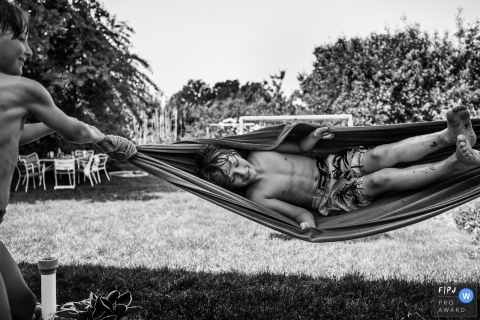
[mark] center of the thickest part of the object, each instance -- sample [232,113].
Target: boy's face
[240,171]
[13,53]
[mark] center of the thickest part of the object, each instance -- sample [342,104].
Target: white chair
[95,163]
[85,167]
[81,163]
[102,165]
[29,166]
[81,157]
[90,153]
[80,153]
[62,167]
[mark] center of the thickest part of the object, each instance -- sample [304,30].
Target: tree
[190,102]
[401,76]
[199,104]
[82,55]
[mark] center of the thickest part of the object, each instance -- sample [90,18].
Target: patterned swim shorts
[341,183]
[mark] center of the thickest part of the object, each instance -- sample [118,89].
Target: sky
[249,40]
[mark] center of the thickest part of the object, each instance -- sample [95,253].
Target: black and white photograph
[254,159]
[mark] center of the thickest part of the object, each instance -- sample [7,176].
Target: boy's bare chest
[287,177]
[12,121]
[276,165]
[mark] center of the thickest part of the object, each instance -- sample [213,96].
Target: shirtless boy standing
[18,97]
[288,183]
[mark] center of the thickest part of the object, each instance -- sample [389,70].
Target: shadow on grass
[280,236]
[143,189]
[179,294]
[284,237]
[375,237]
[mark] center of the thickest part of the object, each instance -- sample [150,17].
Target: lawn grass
[184,258]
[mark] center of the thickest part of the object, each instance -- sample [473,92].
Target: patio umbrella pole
[48,269]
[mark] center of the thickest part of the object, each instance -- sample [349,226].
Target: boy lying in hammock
[288,183]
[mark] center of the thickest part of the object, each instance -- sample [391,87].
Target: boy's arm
[302,216]
[305,143]
[39,102]
[33,131]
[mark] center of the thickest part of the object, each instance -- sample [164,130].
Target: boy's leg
[21,300]
[4,306]
[391,179]
[415,148]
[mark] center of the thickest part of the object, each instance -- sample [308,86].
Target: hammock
[175,164]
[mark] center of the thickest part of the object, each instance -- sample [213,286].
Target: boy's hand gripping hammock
[175,164]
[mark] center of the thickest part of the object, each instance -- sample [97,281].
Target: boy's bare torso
[287,177]
[12,120]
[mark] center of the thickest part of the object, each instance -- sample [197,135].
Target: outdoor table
[50,161]
[53,159]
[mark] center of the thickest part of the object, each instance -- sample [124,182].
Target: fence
[160,128]
[347,117]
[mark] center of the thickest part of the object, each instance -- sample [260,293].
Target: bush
[468,219]
[402,76]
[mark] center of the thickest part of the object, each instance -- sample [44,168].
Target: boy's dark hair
[209,162]
[12,18]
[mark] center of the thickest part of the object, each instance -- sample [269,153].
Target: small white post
[48,269]
[240,128]
[350,121]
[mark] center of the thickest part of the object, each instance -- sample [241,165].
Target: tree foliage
[82,55]
[400,76]
[199,103]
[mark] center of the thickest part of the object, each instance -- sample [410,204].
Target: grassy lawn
[184,258]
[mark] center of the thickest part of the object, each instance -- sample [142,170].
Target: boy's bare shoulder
[254,193]
[22,90]
[21,83]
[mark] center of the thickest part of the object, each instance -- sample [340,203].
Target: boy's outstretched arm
[305,143]
[39,102]
[302,216]
[34,131]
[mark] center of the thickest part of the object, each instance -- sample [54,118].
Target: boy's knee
[376,183]
[375,157]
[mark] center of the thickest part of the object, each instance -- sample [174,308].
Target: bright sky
[248,40]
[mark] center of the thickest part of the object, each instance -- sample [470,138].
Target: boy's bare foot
[459,123]
[465,154]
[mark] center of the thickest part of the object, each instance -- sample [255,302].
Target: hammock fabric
[175,164]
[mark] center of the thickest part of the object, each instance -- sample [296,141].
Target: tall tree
[190,103]
[199,104]
[83,56]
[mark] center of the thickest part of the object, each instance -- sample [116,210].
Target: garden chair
[102,165]
[95,165]
[81,163]
[29,166]
[80,153]
[81,157]
[62,167]
[85,167]
[90,152]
